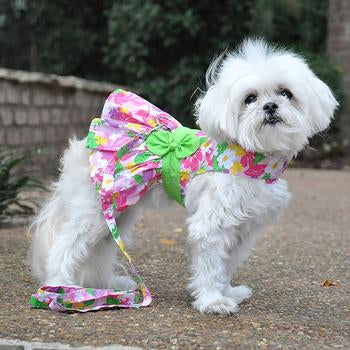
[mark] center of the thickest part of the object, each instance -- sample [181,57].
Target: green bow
[172,147]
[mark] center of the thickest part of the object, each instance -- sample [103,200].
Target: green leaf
[221,148]
[91,142]
[202,140]
[138,178]
[98,122]
[88,302]
[90,291]
[37,304]
[98,187]
[215,164]
[258,158]
[112,301]
[115,233]
[118,167]
[123,151]
[140,158]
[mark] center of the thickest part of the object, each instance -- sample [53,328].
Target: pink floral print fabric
[123,169]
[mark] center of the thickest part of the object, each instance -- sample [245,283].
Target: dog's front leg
[210,255]
[244,240]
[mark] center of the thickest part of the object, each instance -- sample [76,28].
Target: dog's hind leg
[72,246]
[105,268]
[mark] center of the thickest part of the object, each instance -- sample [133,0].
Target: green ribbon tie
[172,147]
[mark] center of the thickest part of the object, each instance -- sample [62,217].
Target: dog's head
[265,99]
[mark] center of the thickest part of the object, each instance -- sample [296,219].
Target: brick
[13,136]
[56,116]
[33,116]
[98,101]
[66,117]
[81,99]
[87,113]
[12,93]
[347,31]
[70,98]
[27,135]
[21,117]
[336,46]
[337,29]
[6,116]
[50,134]
[45,116]
[8,91]
[75,114]
[25,95]
[60,98]
[3,89]
[38,97]
[64,133]
[43,96]
[2,136]
[37,135]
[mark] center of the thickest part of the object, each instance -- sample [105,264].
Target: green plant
[12,185]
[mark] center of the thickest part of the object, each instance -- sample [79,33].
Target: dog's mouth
[272,120]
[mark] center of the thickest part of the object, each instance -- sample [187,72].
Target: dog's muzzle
[271,114]
[272,119]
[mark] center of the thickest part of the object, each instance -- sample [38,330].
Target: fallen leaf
[168,242]
[255,324]
[177,229]
[327,283]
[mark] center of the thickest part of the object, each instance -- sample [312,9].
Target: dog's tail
[42,232]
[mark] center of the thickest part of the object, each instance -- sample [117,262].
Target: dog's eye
[250,99]
[286,93]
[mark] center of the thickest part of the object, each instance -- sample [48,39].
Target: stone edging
[53,79]
[9,344]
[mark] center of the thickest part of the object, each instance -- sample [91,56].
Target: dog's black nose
[270,107]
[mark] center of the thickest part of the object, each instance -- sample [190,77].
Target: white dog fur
[71,242]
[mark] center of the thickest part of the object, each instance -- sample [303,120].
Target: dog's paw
[123,283]
[239,293]
[220,305]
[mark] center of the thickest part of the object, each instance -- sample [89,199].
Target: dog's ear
[322,104]
[213,109]
[213,112]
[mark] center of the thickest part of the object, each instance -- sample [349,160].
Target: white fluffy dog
[263,98]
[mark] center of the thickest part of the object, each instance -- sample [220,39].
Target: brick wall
[39,112]
[339,51]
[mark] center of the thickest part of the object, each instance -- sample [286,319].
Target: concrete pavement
[289,309]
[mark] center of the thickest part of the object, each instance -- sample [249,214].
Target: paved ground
[289,309]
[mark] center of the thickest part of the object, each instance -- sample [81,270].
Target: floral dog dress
[133,147]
